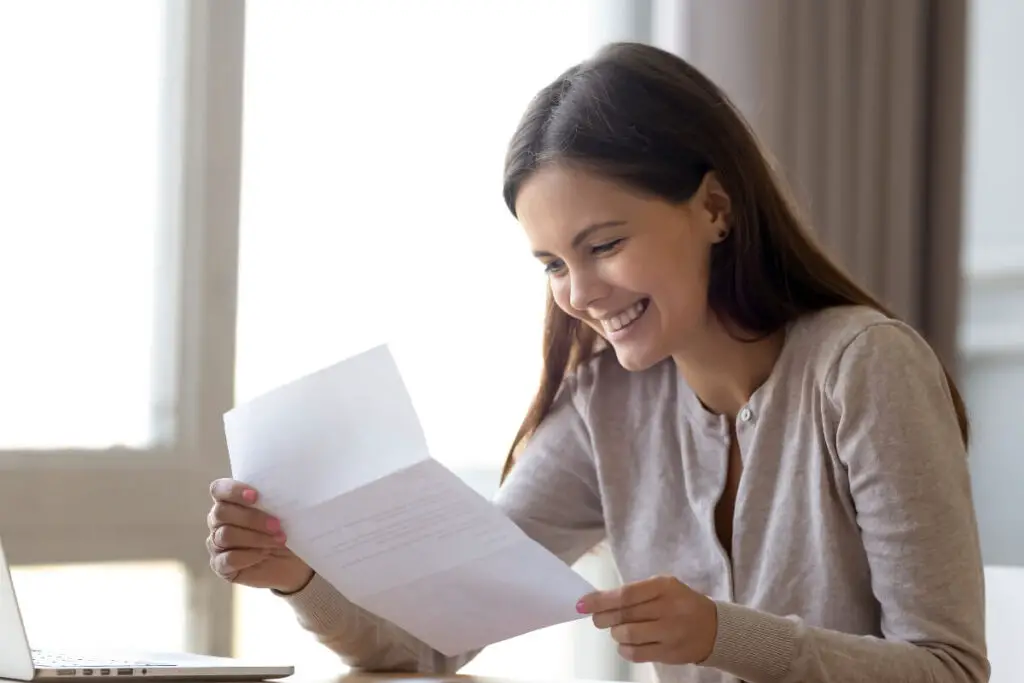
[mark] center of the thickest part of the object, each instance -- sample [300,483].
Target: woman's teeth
[625,318]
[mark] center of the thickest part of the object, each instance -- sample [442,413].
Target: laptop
[19,662]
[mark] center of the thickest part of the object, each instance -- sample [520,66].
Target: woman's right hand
[246,545]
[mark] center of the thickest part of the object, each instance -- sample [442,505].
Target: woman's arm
[552,495]
[897,436]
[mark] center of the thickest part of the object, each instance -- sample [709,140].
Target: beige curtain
[861,102]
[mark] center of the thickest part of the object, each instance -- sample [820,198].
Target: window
[78,251]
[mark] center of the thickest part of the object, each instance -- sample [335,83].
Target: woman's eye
[606,247]
[554,267]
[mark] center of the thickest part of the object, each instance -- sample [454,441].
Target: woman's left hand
[656,620]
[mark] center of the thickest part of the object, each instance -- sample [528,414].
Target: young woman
[778,465]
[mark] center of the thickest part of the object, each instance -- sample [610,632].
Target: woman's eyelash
[607,246]
[555,266]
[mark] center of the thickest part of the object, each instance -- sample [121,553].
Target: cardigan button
[746,415]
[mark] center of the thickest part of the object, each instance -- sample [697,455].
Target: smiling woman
[724,382]
[777,464]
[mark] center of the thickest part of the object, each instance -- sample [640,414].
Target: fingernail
[273,524]
[249,496]
[280,538]
[581,607]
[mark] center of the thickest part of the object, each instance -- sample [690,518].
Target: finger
[645,611]
[229,563]
[644,653]
[234,538]
[624,596]
[223,514]
[638,633]
[231,491]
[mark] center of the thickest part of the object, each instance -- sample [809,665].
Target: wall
[992,327]
[992,330]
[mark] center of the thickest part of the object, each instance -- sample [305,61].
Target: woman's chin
[636,359]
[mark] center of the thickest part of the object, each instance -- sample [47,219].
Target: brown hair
[647,118]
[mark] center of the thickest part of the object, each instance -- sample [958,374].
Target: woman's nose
[585,287]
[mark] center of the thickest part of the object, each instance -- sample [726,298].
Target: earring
[722,234]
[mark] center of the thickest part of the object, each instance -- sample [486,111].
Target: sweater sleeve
[552,495]
[897,435]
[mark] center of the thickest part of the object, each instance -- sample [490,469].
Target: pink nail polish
[273,525]
[249,496]
[581,607]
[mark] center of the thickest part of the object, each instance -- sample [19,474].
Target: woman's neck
[723,371]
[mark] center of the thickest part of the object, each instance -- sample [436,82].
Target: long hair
[644,117]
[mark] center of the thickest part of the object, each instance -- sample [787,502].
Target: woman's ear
[715,207]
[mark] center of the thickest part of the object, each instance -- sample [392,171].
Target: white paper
[340,457]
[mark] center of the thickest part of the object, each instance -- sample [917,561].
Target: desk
[360,677]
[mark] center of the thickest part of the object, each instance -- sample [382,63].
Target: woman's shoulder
[855,338]
[838,325]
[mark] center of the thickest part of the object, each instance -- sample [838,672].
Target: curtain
[861,102]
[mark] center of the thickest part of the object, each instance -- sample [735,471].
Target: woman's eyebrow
[585,233]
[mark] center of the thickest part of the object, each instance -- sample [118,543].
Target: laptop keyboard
[44,659]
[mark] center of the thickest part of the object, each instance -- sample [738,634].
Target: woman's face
[633,267]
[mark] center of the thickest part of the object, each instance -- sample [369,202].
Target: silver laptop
[19,662]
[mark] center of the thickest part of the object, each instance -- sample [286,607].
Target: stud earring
[722,234]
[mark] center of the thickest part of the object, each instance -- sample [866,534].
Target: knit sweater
[855,554]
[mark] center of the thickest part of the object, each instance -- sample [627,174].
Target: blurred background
[201,200]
